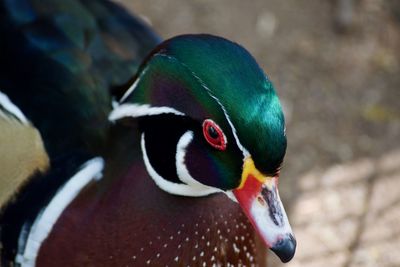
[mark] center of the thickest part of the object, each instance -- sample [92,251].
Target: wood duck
[107,161]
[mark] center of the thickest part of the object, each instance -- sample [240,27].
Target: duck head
[210,122]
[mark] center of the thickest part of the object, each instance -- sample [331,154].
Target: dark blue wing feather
[61,62]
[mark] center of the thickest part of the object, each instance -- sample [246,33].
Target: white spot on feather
[235,248]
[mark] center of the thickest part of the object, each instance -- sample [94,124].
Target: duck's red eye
[214,135]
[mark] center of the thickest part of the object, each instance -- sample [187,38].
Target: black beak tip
[285,248]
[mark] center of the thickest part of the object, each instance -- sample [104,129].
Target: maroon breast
[126,220]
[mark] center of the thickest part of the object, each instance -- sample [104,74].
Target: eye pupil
[214,135]
[212,132]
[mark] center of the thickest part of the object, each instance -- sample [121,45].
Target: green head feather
[206,76]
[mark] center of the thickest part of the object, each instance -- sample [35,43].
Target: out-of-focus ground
[336,68]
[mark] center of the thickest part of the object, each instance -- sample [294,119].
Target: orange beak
[259,198]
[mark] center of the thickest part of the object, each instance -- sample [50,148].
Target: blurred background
[335,64]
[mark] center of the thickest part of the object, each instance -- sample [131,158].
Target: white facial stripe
[168,186]
[6,103]
[183,172]
[41,228]
[241,147]
[134,85]
[137,110]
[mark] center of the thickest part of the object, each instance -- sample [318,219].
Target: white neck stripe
[43,225]
[168,186]
[183,172]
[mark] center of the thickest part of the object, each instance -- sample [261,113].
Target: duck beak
[259,198]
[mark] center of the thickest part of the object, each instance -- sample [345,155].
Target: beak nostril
[261,200]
